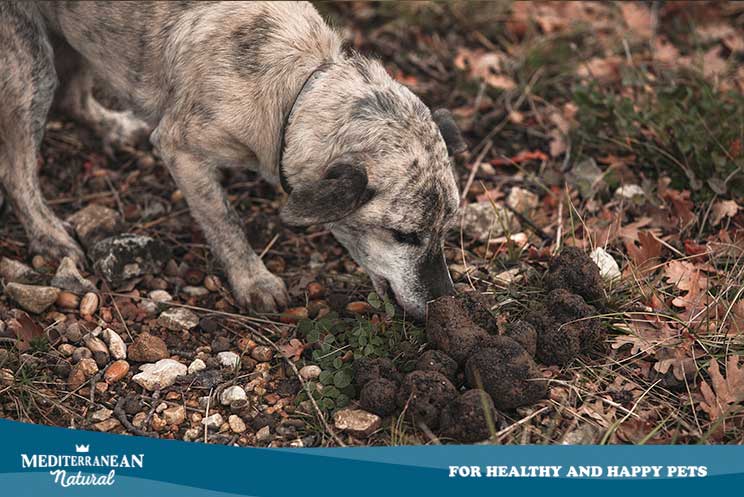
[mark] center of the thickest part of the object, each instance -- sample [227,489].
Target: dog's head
[387,188]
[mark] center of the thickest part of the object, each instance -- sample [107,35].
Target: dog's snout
[434,275]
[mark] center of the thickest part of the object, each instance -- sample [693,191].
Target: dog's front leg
[253,285]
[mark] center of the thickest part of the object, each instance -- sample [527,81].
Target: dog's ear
[340,192]
[450,132]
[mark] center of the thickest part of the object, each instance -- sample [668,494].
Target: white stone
[310,372]
[237,425]
[102,414]
[160,296]
[116,345]
[213,422]
[178,319]
[231,394]
[608,267]
[229,359]
[196,366]
[161,374]
[522,200]
[630,191]
[357,422]
[483,220]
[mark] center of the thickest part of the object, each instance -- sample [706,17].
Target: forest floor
[616,128]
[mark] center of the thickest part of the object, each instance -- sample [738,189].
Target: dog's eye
[406,238]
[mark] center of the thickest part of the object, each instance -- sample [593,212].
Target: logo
[83,468]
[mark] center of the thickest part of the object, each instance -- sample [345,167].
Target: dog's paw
[58,244]
[123,132]
[261,292]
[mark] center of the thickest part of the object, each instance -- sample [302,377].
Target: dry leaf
[722,209]
[602,69]
[723,391]
[488,66]
[638,18]
[25,329]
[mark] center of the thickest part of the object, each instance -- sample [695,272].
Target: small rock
[160,296]
[66,349]
[587,176]
[81,372]
[264,434]
[608,267]
[178,319]
[231,394]
[237,425]
[357,422]
[213,422]
[229,359]
[116,371]
[522,200]
[88,304]
[191,434]
[81,353]
[631,192]
[262,353]
[310,372]
[160,375]
[101,414]
[13,271]
[212,283]
[123,257]
[194,291]
[483,220]
[73,333]
[220,343]
[157,423]
[98,348]
[107,425]
[36,299]
[174,415]
[147,348]
[196,366]
[116,345]
[69,278]
[95,222]
[359,307]
[67,300]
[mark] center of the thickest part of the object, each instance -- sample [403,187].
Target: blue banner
[45,461]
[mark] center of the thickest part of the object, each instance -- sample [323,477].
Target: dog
[266,86]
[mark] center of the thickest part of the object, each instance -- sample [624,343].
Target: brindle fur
[211,83]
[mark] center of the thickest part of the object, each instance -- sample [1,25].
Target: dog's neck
[283,179]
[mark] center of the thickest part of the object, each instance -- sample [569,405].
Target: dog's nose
[435,277]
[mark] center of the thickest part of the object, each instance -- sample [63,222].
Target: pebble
[264,434]
[67,300]
[69,278]
[116,371]
[237,425]
[73,332]
[262,353]
[194,291]
[196,366]
[174,415]
[178,319]
[631,192]
[123,257]
[212,283]
[310,372]
[160,296]
[231,394]
[107,425]
[157,423]
[95,222]
[116,345]
[229,359]
[191,434]
[66,349]
[101,414]
[482,220]
[357,422]
[359,307]
[13,271]
[89,304]
[98,348]
[81,372]
[35,299]
[147,348]
[81,353]
[522,200]
[159,375]
[213,422]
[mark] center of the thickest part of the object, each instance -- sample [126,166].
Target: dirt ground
[615,128]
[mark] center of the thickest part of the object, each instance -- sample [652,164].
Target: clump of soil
[574,270]
[379,396]
[368,369]
[450,329]
[524,334]
[507,372]
[436,360]
[424,394]
[477,307]
[470,417]
[564,331]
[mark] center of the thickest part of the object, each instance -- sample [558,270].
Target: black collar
[282,132]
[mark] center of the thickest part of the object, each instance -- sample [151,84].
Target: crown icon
[82,448]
